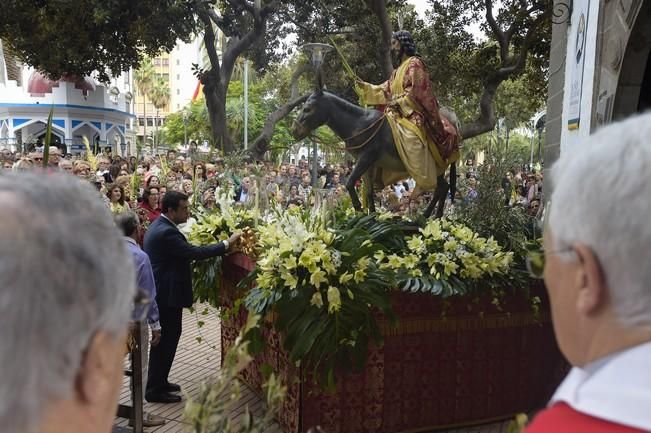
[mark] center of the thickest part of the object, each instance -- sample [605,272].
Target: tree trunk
[155,143]
[261,144]
[216,104]
[144,114]
[379,8]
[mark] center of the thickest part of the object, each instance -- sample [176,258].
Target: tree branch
[519,65]
[486,120]
[209,41]
[293,84]
[236,46]
[261,144]
[497,31]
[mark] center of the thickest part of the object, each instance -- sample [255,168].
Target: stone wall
[554,123]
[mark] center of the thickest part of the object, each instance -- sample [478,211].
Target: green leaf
[48,139]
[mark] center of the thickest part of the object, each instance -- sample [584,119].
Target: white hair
[602,199]
[65,273]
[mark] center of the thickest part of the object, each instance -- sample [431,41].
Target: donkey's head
[313,114]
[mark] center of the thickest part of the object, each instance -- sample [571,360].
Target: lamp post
[185,127]
[538,125]
[317,52]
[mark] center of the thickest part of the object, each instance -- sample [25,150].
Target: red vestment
[561,418]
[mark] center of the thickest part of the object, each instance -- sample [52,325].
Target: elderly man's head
[597,241]
[64,307]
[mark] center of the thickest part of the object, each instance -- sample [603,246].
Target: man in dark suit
[170,255]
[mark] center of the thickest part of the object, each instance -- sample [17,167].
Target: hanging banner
[576,58]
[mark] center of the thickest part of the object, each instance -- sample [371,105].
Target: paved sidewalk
[197,361]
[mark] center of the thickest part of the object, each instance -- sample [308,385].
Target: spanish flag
[197,91]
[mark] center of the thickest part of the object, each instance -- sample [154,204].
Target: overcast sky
[422,6]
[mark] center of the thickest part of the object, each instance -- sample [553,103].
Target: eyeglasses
[535,261]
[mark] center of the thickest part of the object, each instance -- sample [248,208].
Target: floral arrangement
[445,258]
[322,278]
[216,226]
[323,288]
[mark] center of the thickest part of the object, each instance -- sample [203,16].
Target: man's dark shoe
[162,397]
[172,387]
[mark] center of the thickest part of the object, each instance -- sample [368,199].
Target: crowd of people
[141,183]
[66,310]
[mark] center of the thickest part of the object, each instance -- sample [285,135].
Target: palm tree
[159,94]
[144,78]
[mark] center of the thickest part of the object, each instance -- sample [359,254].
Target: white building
[600,68]
[81,108]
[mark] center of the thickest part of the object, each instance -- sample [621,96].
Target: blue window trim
[82,107]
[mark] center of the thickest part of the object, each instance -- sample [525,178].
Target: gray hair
[65,273]
[610,168]
[127,222]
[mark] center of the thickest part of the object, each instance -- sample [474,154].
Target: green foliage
[215,409]
[62,37]
[198,126]
[48,139]
[488,215]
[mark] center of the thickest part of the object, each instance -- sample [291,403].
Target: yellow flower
[383,216]
[415,273]
[395,261]
[289,279]
[416,244]
[334,299]
[290,263]
[345,277]
[363,263]
[329,266]
[359,276]
[264,280]
[306,258]
[411,261]
[432,230]
[317,278]
[317,299]
[449,268]
[450,245]
[379,256]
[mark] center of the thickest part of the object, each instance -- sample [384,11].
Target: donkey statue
[368,137]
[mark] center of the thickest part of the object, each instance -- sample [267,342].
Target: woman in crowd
[81,168]
[200,173]
[150,203]
[152,180]
[117,202]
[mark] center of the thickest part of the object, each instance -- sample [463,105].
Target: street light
[186,116]
[317,52]
[538,125]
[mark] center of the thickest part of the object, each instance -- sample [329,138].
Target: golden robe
[426,141]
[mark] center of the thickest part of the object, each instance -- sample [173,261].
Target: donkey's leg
[440,194]
[442,187]
[368,178]
[431,206]
[365,161]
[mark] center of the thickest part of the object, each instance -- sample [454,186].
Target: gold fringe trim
[453,324]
